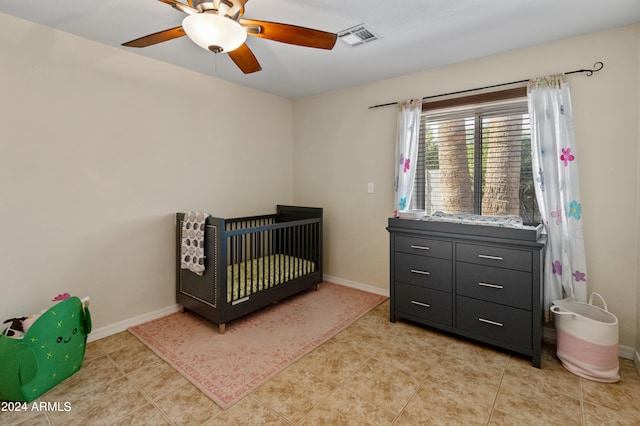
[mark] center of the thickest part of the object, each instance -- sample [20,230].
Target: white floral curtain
[555,165]
[406,152]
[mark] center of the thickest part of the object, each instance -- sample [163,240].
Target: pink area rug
[226,367]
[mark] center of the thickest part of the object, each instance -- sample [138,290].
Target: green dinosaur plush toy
[51,350]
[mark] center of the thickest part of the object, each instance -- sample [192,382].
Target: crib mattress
[246,278]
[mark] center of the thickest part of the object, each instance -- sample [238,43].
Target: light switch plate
[370,188]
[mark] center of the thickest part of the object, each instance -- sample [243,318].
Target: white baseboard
[626,352]
[117,327]
[358,286]
[111,329]
[636,361]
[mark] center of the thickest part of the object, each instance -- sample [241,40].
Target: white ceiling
[414,34]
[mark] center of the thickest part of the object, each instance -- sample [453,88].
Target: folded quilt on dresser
[472,219]
[248,277]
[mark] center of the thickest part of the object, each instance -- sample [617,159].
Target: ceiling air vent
[357,35]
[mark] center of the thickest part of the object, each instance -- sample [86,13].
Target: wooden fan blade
[156,38]
[245,59]
[291,34]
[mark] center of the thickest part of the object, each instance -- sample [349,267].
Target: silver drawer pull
[490,285]
[499,324]
[420,247]
[417,271]
[420,304]
[486,256]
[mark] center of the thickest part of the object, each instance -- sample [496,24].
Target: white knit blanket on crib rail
[192,246]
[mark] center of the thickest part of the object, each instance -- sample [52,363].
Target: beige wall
[340,145]
[99,147]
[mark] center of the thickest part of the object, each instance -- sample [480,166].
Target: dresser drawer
[431,305]
[427,272]
[507,324]
[504,286]
[424,246]
[494,256]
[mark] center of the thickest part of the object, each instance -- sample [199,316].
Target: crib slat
[247,265]
[293,248]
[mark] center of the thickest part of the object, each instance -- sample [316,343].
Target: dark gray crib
[252,262]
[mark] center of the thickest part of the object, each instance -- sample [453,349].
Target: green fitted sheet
[264,272]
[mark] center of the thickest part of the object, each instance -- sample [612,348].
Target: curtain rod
[596,67]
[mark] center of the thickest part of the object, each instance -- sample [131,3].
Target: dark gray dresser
[481,282]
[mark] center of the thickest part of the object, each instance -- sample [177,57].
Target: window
[475,157]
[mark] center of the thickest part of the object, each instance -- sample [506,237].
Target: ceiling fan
[216,25]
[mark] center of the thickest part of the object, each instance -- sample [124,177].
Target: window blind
[476,159]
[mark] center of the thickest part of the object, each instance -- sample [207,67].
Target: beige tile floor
[373,373]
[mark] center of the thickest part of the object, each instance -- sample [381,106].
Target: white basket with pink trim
[587,339]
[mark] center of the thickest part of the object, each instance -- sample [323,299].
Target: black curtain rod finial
[589,72]
[596,67]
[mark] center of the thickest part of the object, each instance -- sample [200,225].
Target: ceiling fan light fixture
[214,32]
